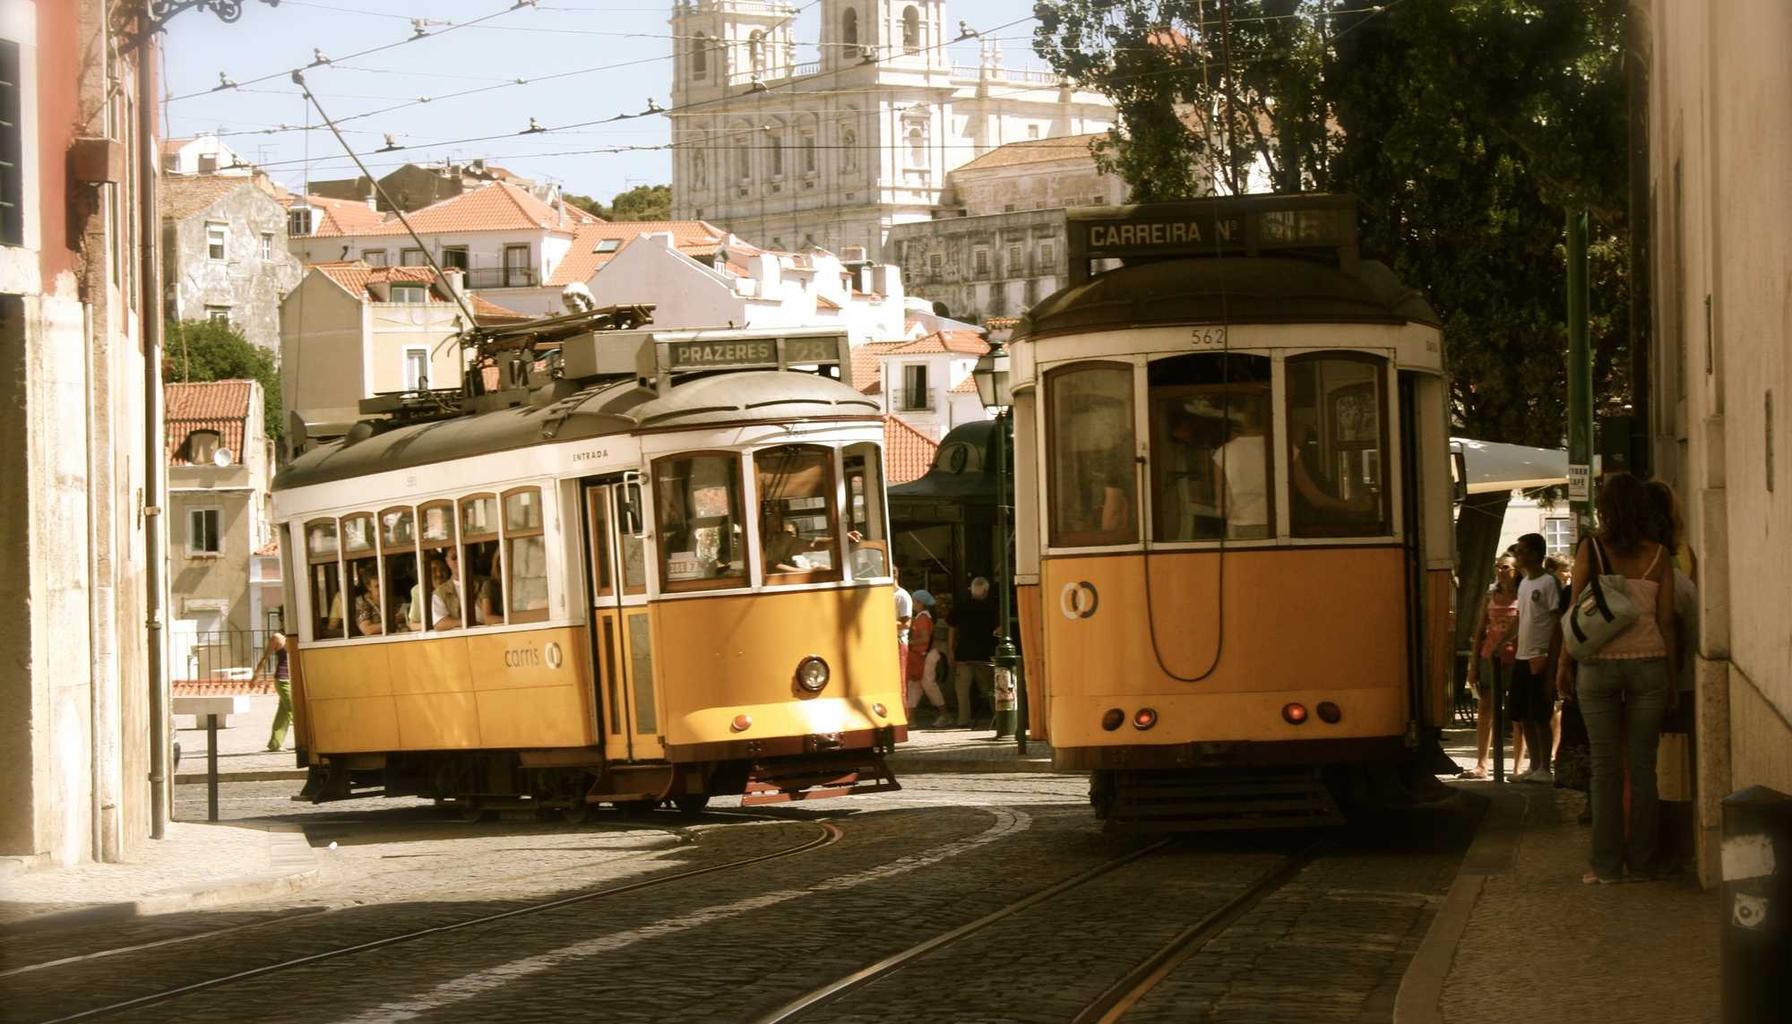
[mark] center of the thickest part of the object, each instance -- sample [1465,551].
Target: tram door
[620,627]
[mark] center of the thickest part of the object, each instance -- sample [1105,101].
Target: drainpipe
[149,310]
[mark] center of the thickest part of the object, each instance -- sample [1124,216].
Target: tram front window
[796,513]
[1093,476]
[698,505]
[1210,417]
[867,550]
[1336,404]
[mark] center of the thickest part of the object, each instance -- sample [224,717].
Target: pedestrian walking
[921,661]
[275,656]
[1530,704]
[974,621]
[1494,644]
[1623,687]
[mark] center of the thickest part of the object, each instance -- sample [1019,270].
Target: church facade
[835,151]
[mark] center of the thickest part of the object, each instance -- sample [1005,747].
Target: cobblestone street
[733,914]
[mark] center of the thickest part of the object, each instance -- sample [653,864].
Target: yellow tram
[1233,509]
[654,566]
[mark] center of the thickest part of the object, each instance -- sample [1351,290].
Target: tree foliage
[206,350]
[1466,128]
[643,202]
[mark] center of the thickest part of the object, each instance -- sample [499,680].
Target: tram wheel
[691,803]
[637,808]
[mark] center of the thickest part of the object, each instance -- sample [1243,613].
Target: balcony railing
[913,400]
[501,277]
[219,657]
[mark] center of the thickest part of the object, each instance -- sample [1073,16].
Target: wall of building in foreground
[1720,90]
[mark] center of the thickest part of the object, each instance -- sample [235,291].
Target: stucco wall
[251,286]
[321,363]
[938,259]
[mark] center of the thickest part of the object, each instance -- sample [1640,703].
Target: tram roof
[598,410]
[1232,290]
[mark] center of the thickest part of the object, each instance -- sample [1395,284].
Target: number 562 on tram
[657,572]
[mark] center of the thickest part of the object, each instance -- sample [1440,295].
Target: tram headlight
[812,674]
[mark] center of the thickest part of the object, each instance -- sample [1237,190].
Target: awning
[1492,466]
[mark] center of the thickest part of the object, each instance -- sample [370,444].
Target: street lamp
[996,391]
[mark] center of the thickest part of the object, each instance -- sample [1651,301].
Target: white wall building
[833,152]
[203,154]
[926,382]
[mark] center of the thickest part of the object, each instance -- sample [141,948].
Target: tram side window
[326,580]
[1093,480]
[869,554]
[364,618]
[796,513]
[525,555]
[398,552]
[1210,455]
[1337,406]
[698,504]
[441,566]
[481,562]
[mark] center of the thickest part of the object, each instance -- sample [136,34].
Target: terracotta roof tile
[219,405]
[500,206]
[1033,151]
[908,453]
[183,195]
[354,276]
[967,386]
[691,237]
[867,365]
[487,311]
[964,343]
[335,217]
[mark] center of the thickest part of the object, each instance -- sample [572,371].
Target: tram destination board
[749,353]
[1221,226]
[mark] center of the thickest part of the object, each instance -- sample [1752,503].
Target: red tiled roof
[867,365]
[500,206]
[1033,151]
[183,195]
[487,311]
[219,405]
[967,386]
[823,302]
[354,276]
[333,217]
[964,343]
[691,237]
[908,453]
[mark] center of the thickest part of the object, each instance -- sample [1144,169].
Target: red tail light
[1144,718]
[1112,719]
[1329,713]
[1294,714]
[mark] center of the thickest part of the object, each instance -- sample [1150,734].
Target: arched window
[756,51]
[743,170]
[774,154]
[700,56]
[911,30]
[849,27]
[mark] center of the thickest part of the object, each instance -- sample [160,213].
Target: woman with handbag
[1493,641]
[1619,630]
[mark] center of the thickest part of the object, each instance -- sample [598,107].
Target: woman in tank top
[1623,689]
[1493,648]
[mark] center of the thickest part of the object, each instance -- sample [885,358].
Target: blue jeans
[1627,696]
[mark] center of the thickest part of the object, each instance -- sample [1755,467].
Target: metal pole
[211,767]
[1007,655]
[1580,380]
[149,229]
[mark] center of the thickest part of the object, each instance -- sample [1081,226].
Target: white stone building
[833,152]
[224,254]
[203,154]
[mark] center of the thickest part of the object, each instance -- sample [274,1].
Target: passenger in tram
[1314,502]
[1242,464]
[367,607]
[485,602]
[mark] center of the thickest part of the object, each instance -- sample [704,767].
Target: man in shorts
[1530,701]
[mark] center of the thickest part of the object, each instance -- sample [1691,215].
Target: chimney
[456,280]
[373,201]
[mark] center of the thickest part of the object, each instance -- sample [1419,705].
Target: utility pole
[1580,380]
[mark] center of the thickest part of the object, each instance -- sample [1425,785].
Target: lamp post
[996,392]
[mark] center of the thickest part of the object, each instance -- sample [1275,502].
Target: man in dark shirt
[973,624]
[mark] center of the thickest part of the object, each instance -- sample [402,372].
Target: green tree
[588,204]
[643,202]
[204,350]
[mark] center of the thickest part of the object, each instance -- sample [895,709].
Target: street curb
[270,775]
[965,766]
[1420,998]
[292,865]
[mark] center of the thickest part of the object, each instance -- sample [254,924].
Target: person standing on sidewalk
[920,659]
[1623,689]
[974,620]
[282,670]
[1494,644]
[1529,703]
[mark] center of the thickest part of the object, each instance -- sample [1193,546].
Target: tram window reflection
[363,603]
[1093,476]
[796,513]
[398,552]
[325,571]
[1336,409]
[869,554]
[1210,422]
[480,561]
[698,504]
[525,556]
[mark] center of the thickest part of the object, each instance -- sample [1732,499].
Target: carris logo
[522,657]
[1078,600]
[554,658]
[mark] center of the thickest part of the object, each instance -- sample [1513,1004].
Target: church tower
[896,33]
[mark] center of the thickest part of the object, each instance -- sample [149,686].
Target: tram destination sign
[749,353]
[1222,226]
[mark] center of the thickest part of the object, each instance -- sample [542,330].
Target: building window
[409,292]
[298,221]
[1032,131]
[849,27]
[808,154]
[374,257]
[1048,255]
[416,368]
[201,446]
[217,241]
[218,314]
[916,395]
[1017,267]
[267,245]
[743,165]
[911,30]
[204,536]
[980,261]
[774,155]
[700,56]
[411,258]
[517,271]
[1558,535]
[208,163]
[936,262]
[12,142]
[454,257]
[607,245]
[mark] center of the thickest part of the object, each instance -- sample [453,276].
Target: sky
[612,56]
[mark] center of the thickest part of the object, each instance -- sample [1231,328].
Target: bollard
[1005,701]
[211,767]
[1757,906]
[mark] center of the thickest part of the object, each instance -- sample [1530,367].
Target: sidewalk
[197,865]
[1519,938]
[966,750]
[242,748]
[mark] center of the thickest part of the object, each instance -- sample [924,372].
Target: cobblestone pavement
[736,943]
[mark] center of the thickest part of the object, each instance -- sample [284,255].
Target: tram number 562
[1208,337]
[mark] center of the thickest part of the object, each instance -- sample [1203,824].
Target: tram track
[829,835]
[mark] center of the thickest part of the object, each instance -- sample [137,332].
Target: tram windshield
[1210,438]
[796,513]
[1337,425]
[867,544]
[1093,486]
[697,499]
